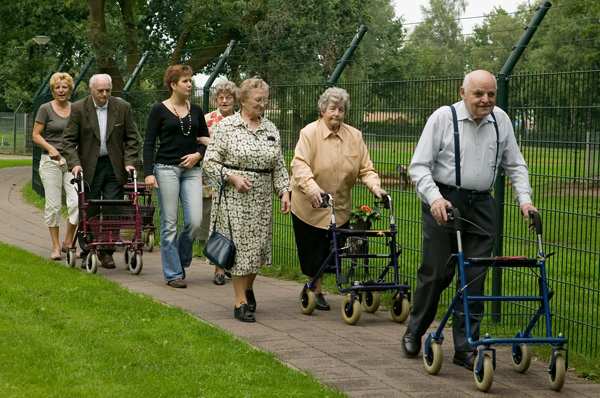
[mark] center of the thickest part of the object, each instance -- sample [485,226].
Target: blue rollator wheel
[483,371]
[400,308]
[308,301]
[351,309]
[557,370]
[521,357]
[370,301]
[433,356]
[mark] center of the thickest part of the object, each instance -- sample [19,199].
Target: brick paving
[364,360]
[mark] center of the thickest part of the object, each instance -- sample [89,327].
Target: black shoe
[251,300]
[227,274]
[322,304]
[177,283]
[243,314]
[411,344]
[107,261]
[219,279]
[466,359]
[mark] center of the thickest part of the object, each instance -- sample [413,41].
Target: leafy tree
[23,63]
[491,42]
[436,46]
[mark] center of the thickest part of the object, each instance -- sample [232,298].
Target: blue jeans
[178,184]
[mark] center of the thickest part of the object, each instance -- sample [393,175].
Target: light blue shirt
[433,159]
[102,114]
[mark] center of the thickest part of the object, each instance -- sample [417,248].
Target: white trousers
[55,176]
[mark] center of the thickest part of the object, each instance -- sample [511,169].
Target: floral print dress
[235,145]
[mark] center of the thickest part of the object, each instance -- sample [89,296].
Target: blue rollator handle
[386,201]
[536,221]
[454,216]
[325,200]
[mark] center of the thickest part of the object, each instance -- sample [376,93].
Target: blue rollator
[361,276]
[485,361]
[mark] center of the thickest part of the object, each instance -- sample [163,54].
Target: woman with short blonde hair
[245,157]
[50,121]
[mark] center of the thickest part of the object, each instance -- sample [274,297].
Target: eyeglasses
[263,101]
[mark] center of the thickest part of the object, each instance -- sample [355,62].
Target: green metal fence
[557,123]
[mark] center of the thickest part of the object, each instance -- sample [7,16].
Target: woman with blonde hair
[245,157]
[50,121]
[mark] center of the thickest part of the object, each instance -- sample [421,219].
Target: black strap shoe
[219,279]
[466,359]
[251,300]
[243,314]
[322,304]
[411,344]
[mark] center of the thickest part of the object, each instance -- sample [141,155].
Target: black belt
[471,192]
[239,168]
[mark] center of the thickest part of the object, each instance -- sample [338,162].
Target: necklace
[189,118]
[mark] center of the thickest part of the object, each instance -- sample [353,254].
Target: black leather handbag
[219,249]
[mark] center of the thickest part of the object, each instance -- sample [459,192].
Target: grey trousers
[436,271]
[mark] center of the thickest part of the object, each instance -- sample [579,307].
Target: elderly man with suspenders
[455,165]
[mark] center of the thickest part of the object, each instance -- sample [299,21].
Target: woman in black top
[175,170]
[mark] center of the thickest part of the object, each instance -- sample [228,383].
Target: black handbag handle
[222,194]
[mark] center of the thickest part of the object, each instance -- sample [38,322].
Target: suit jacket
[82,137]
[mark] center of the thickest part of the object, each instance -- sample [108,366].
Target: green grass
[14,163]
[32,197]
[66,333]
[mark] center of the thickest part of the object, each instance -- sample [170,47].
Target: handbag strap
[222,194]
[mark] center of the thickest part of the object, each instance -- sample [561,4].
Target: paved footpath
[364,360]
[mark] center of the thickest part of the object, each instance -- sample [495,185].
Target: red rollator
[105,224]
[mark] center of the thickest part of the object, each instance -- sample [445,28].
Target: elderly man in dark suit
[101,140]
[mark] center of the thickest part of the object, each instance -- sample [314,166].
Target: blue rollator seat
[485,361]
[360,275]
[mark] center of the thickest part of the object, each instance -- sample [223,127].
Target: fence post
[502,102]
[135,73]
[15,127]
[213,75]
[341,65]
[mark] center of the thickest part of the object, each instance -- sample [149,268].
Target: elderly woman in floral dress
[245,155]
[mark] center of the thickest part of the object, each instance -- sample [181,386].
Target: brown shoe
[107,261]
[177,283]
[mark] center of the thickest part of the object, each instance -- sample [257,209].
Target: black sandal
[251,300]
[243,314]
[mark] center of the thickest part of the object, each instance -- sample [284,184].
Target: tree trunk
[104,54]
[133,51]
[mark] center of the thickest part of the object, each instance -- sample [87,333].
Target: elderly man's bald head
[479,94]
[477,76]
